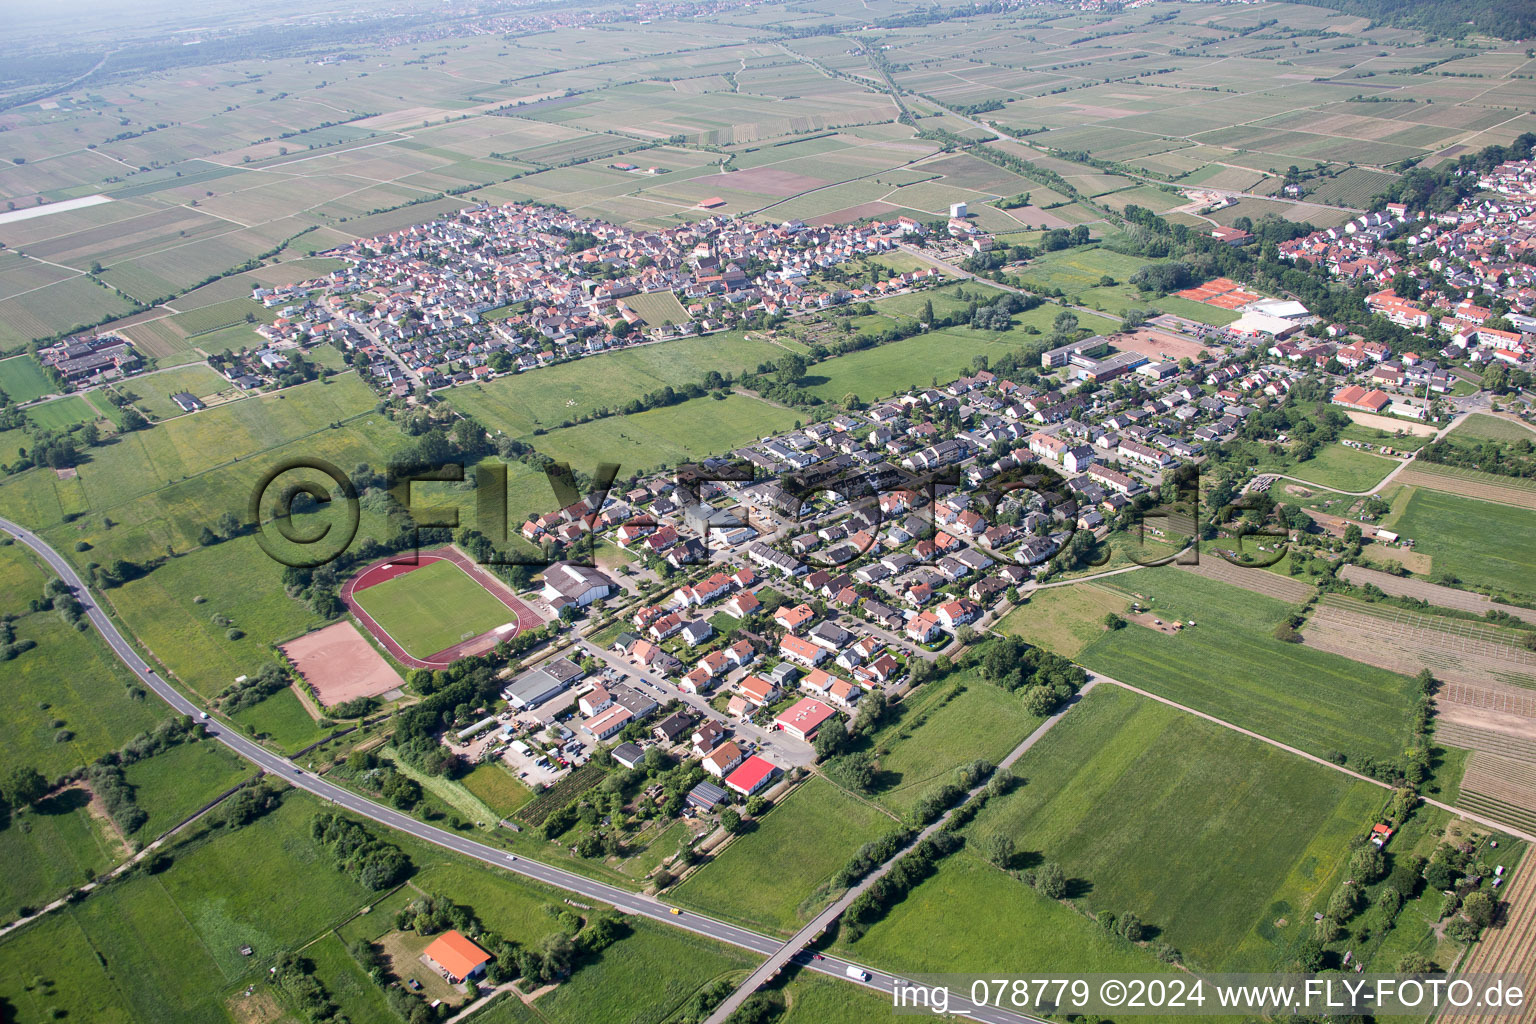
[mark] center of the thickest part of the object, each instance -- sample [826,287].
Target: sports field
[433,608]
[1230,665]
[1157,810]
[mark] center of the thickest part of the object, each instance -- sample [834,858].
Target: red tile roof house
[957,613]
[456,957]
[793,618]
[803,651]
[804,717]
[742,605]
[753,775]
[758,690]
[722,759]
[924,627]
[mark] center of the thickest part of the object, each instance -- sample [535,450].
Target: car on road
[511,856]
[856,973]
[676,912]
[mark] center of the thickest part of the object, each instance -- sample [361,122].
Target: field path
[1470,816]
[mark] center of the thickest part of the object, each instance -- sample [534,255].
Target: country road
[626,902]
[795,947]
[1455,422]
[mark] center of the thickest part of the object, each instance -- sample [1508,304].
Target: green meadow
[1230,665]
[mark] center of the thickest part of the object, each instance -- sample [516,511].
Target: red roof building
[803,718]
[755,773]
[457,957]
[1357,397]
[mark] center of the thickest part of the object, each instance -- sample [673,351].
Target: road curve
[627,902]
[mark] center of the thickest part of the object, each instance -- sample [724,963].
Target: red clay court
[400,567]
[339,664]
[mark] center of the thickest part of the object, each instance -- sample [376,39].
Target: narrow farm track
[1507,946]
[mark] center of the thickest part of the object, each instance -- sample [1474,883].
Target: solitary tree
[23,785]
[1051,881]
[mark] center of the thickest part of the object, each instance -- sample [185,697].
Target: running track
[391,568]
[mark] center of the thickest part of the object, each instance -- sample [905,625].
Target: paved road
[794,949]
[628,902]
[1455,422]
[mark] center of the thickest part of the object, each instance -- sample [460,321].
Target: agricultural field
[1478,426]
[947,353]
[150,194]
[551,396]
[765,878]
[1400,640]
[1076,270]
[644,978]
[60,414]
[1231,666]
[283,721]
[658,308]
[492,783]
[685,432]
[22,379]
[957,921]
[176,783]
[1155,809]
[199,380]
[1470,483]
[1335,466]
[70,699]
[56,846]
[1436,522]
[432,608]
